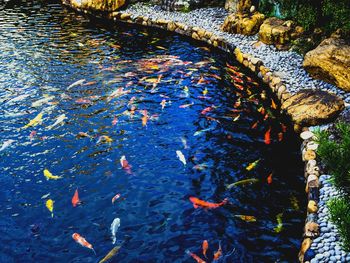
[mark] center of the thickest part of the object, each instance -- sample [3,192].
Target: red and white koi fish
[207,109]
[83,101]
[163,103]
[82,241]
[125,165]
[117,196]
[115,120]
[32,135]
[186,105]
[207,205]
[205,247]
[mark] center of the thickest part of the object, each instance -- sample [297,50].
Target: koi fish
[110,254]
[195,257]
[294,203]
[255,125]
[218,253]
[237,117]
[205,247]
[204,204]
[31,135]
[125,165]
[181,157]
[279,226]
[163,103]
[114,228]
[207,109]
[82,135]
[37,120]
[40,102]
[117,196]
[200,167]
[82,241]
[269,179]
[6,144]
[49,206]
[284,128]
[59,120]
[205,91]
[246,218]
[77,83]
[252,165]
[83,101]
[186,105]
[267,137]
[115,120]
[75,198]
[273,104]
[104,139]
[197,133]
[144,120]
[243,182]
[280,136]
[49,175]
[184,142]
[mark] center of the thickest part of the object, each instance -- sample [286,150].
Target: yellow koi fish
[49,206]
[252,165]
[49,175]
[38,119]
[246,218]
[243,182]
[205,91]
[294,203]
[279,226]
[110,254]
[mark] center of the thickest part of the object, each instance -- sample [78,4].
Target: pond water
[75,97]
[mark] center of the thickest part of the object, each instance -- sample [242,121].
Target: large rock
[276,31]
[330,61]
[313,107]
[243,23]
[95,5]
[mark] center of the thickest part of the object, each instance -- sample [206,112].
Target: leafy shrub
[339,209]
[335,154]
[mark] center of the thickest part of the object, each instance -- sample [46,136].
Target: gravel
[286,64]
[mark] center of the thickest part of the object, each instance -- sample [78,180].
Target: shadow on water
[152,94]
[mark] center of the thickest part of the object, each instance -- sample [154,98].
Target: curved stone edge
[256,66]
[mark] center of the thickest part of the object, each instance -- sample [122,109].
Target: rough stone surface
[313,107]
[231,5]
[243,23]
[275,31]
[330,61]
[96,5]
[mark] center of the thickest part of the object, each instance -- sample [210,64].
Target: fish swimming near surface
[75,198]
[42,101]
[163,103]
[125,164]
[218,253]
[269,179]
[195,257]
[49,206]
[204,204]
[246,218]
[267,137]
[200,167]
[205,92]
[18,98]
[186,105]
[104,139]
[205,246]
[32,135]
[49,175]
[117,196]
[198,133]
[37,120]
[243,182]
[110,254]
[184,142]
[6,144]
[252,165]
[279,226]
[59,120]
[82,241]
[77,83]
[181,157]
[114,229]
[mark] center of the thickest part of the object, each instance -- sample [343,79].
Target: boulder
[330,61]
[276,31]
[243,23]
[96,5]
[313,107]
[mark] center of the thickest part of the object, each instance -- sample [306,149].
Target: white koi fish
[59,120]
[181,157]
[42,101]
[197,133]
[77,83]
[114,228]
[18,98]
[6,144]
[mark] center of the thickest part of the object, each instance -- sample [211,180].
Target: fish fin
[195,206]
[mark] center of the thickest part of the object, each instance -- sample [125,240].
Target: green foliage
[335,154]
[336,14]
[339,209]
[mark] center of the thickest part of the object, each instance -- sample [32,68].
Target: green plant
[340,215]
[335,154]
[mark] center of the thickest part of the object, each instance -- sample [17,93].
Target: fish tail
[94,251]
[52,215]
[188,252]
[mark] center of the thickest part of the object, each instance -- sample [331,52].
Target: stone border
[276,85]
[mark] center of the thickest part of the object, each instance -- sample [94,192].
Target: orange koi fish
[75,198]
[207,109]
[240,87]
[218,253]
[204,204]
[201,80]
[273,104]
[125,165]
[82,241]
[261,110]
[117,196]
[144,118]
[255,125]
[195,257]
[267,137]
[205,247]
[269,179]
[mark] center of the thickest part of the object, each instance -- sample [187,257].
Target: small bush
[340,215]
[335,154]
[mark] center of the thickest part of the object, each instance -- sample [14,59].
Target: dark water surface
[44,49]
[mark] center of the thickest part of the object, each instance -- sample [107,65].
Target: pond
[150,120]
